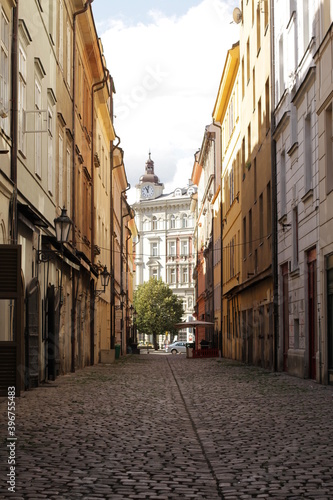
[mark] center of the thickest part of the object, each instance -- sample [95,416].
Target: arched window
[185,220]
[154,222]
[172,222]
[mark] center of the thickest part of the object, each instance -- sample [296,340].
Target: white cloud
[166,76]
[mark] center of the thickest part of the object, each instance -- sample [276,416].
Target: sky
[166,58]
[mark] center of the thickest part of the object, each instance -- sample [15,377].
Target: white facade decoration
[165,247]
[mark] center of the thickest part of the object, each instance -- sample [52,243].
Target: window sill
[294,273]
[293,148]
[307,196]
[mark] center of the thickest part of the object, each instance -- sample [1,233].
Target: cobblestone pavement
[168,427]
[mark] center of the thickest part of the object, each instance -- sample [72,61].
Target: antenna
[237,15]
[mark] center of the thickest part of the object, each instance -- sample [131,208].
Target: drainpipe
[112,168]
[74,295]
[14,124]
[274,204]
[121,261]
[94,89]
[127,270]
[219,342]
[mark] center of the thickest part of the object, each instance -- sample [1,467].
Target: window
[329,149]
[266,13]
[306,24]
[49,151]
[154,222]
[243,76]
[154,273]
[232,258]
[248,60]
[22,98]
[254,88]
[60,171]
[259,119]
[243,156]
[261,217]
[61,33]
[38,128]
[4,71]
[255,178]
[258,28]
[281,68]
[231,185]
[283,198]
[154,249]
[184,221]
[267,108]
[231,117]
[184,247]
[244,239]
[172,248]
[307,153]
[173,275]
[68,161]
[185,274]
[68,44]
[250,231]
[249,142]
[326,16]
[172,222]
[269,209]
[51,7]
[295,238]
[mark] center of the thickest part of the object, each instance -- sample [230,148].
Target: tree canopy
[157,307]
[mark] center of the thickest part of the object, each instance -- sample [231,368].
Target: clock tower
[149,186]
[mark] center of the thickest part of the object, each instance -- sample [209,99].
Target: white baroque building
[297,155]
[165,247]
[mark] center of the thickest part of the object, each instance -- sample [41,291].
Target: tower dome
[149,176]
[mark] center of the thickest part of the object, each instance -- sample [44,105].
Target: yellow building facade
[227,113]
[256,283]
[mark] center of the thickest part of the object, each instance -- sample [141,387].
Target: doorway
[312,301]
[285,314]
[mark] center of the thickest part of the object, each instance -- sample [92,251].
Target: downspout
[100,86]
[74,295]
[219,342]
[127,270]
[121,262]
[112,168]
[14,124]
[274,204]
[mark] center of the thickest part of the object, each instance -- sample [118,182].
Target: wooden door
[312,301]
[285,315]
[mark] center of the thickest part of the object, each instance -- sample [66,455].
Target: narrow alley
[168,427]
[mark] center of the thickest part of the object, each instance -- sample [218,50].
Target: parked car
[145,345]
[179,347]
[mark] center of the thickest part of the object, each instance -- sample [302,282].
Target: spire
[149,165]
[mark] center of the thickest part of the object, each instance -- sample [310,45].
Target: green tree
[157,307]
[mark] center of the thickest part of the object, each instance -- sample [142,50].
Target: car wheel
[174,351]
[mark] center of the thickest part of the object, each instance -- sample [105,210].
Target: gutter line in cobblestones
[197,434]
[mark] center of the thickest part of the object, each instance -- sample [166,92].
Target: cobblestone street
[162,426]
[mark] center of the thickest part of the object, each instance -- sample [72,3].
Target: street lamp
[134,315]
[62,226]
[105,278]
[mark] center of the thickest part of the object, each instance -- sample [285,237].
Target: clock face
[147,191]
